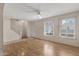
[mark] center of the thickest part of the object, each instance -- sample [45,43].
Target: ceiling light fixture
[39,16]
[35,10]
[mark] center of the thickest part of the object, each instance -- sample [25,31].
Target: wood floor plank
[35,47]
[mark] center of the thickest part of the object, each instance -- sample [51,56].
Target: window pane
[67,28]
[48,28]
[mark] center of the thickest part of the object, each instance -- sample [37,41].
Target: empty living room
[39,29]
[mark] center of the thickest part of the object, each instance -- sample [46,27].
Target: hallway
[36,47]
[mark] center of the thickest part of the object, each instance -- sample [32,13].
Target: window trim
[67,33]
[52,28]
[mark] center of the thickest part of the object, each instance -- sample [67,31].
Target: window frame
[60,23]
[50,29]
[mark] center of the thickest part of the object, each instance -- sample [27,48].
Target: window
[67,28]
[48,28]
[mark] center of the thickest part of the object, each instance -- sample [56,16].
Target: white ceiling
[22,11]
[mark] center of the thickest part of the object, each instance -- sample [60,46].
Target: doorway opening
[24,31]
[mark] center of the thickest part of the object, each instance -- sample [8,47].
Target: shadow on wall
[19,27]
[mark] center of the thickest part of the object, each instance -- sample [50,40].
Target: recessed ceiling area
[27,11]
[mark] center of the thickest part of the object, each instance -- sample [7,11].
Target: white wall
[8,33]
[37,29]
[12,29]
[16,26]
[14,32]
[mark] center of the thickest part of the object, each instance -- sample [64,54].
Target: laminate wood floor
[36,47]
